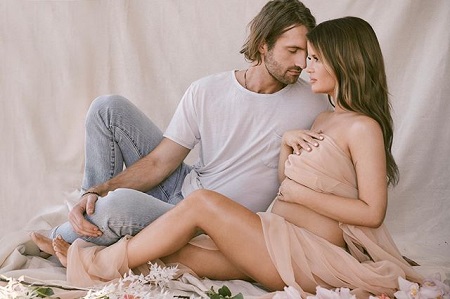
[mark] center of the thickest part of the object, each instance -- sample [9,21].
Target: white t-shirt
[239,134]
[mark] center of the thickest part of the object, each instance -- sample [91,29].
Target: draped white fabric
[57,56]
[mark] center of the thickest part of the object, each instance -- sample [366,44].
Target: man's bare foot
[44,243]
[61,247]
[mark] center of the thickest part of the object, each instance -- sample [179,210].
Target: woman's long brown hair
[350,47]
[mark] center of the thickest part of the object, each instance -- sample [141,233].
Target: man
[237,119]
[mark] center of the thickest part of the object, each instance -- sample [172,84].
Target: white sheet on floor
[57,56]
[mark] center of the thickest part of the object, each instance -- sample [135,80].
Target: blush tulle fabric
[372,263]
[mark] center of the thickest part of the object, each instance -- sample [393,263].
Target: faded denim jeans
[117,135]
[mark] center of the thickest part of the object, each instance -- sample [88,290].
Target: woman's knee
[203,201]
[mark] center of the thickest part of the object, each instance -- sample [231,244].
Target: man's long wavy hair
[275,18]
[349,46]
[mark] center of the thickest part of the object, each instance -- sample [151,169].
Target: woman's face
[321,80]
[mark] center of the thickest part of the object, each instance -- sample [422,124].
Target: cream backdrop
[57,56]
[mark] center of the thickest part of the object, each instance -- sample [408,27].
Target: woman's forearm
[353,211]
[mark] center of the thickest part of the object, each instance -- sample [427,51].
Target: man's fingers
[86,228]
[90,203]
[80,225]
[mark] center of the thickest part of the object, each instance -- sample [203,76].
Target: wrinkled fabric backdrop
[57,56]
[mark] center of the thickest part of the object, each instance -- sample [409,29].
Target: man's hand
[76,216]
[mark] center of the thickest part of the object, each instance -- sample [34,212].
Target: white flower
[432,288]
[151,286]
[339,293]
[161,275]
[288,293]
[15,289]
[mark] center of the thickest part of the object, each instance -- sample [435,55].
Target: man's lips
[295,72]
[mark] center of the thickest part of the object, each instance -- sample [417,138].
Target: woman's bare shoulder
[363,125]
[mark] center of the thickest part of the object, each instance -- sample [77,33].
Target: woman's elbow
[376,224]
[376,220]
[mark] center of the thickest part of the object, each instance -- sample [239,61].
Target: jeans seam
[128,135]
[112,157]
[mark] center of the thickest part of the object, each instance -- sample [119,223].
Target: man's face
[287,58]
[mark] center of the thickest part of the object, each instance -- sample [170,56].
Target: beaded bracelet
[90,192]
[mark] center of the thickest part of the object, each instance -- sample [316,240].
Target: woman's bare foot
[61,247]
[44,243]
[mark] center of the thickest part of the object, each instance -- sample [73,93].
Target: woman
[326,224]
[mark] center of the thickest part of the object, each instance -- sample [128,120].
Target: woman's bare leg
[206,263]
[236,231]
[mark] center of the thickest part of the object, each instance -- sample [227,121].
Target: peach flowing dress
[372,263]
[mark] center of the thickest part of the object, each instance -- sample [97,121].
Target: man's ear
[263,48]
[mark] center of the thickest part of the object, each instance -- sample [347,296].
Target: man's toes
[44,243]
[62,258]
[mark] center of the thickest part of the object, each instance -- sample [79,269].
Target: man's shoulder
[216,77]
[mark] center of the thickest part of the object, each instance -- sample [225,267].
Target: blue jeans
[117,135]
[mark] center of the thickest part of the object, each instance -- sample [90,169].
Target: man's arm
[149,171]
[143,175]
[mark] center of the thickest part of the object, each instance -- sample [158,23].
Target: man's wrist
[90,192]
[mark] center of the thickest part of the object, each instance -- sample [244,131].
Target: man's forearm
[149,171]
[141,176]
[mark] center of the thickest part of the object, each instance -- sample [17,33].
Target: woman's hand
[301,139]
[291,191]
[293,142]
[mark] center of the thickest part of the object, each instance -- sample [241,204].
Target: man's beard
[275,70]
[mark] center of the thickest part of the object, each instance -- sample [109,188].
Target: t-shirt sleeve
[183,128]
